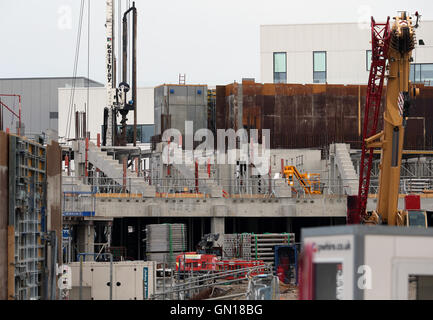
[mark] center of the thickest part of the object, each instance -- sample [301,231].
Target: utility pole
[134,70]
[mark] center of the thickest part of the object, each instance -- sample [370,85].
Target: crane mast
[110,81]
[392,47]
[117,98]
[397,105]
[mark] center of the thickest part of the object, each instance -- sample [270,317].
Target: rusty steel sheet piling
[313,115]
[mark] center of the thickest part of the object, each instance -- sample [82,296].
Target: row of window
[419,72]
[319,67]
[422,73]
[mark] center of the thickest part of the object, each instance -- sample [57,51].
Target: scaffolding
[27,180]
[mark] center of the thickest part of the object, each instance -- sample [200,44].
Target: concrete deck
[316,206]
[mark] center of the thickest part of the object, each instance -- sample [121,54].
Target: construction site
[243,191]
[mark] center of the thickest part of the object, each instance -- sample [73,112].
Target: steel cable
[74,76]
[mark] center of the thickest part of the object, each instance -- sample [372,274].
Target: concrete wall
[97,103]
[39,98]
[178,103]
[306,160]
[345,44]
[54,193]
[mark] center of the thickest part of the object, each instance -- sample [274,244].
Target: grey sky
[212,42]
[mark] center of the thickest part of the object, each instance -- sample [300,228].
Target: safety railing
[78,204]
[189,283]
[77,200]
[181,187]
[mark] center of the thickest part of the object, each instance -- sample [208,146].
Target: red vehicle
[188,261]
[231,265]
[192,261]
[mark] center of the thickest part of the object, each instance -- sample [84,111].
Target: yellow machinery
[310,182]
[399,92]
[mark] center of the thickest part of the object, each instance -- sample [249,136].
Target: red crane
[380,40]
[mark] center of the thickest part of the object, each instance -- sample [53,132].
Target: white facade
[345,44]
[97,103]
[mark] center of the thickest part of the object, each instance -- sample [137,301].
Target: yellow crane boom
[310,182]
[390,140]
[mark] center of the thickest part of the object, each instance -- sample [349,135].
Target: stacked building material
[250,246]
[262,245]
[237,246]
[165,241]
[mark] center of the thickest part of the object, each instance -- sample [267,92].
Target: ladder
[182,79]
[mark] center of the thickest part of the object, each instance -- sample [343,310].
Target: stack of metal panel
[237,246]
[262,245]
[229,245]
[165,241]
[250,246]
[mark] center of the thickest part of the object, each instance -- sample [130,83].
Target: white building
[97,103]
[336,53]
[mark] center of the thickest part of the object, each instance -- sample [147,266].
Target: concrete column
[289,225]
[217,226]
[110,228]
[54,194]
[4,212]
[86,235]
[54,199]
[252,225]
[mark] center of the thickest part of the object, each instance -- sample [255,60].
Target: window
[54,115]
[427,73]
[280,67]
[368,59]
[420,287]
[421,73]
[319,66]
[328,283]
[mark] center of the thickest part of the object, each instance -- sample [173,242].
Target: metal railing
[75,199]
[196,281]
[78,203]
[166,186]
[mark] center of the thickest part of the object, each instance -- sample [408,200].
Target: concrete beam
[317,206]
[426,204]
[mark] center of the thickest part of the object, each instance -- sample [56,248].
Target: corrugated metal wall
[39,99]
[313,116]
